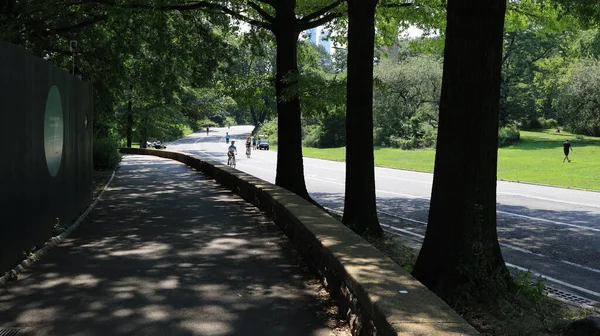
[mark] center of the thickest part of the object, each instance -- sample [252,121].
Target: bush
[312,135]
[204,123]
[174,132]
[229,121]
[543,123]
[269,129]
[551,123]
[508,135]
[106,153]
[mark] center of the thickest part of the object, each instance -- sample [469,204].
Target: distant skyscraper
[323,40]
[312,35]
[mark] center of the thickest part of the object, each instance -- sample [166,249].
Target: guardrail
[376,295]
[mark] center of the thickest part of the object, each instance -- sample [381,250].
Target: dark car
[263,144]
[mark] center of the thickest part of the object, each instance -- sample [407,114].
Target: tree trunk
[360,209]
[290,167]
[129,121]
[253,115]
[461,253]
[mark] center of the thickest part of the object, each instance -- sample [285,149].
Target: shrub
[508,135]
[174,132]
[269,129]
[106,153]
[312,135]
[229,121]
[204,123]
[551,123]
[543,123]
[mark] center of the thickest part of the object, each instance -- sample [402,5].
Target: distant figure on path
[207,131]
[254,142]
[227,136]
[566,149]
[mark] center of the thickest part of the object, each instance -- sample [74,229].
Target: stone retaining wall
[376,295]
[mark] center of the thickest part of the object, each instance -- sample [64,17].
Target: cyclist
[231,152]
[227,136]
[248,144]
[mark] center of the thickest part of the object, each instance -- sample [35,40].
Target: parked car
[155,144]
[263,144]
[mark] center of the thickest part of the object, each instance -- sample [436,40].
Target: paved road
[554,232]
[168,252]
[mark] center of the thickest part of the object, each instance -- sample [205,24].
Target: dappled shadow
[570,235]
[167,251]
[558,237]
[384,290]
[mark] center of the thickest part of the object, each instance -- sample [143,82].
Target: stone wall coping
[395,302]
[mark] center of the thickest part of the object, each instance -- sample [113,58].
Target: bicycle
[248,152]
[231,160]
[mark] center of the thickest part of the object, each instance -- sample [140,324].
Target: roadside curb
[37,255]
[498,179]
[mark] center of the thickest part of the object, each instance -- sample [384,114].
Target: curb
[37,255]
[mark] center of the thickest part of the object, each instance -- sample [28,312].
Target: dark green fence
[46,151]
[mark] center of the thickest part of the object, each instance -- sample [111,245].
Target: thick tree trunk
[129,122]
[290,167]
[129,125]
[461,251]
[360,209]
[253,115]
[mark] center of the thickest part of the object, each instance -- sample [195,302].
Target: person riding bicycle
[248,144]
[231,150]
[227,136]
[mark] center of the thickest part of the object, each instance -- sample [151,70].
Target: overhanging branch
[76,26]
[217,8]
[321,12]
[398,5]
[261,12]
[318,22]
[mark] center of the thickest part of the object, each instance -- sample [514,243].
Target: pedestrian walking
[567,148]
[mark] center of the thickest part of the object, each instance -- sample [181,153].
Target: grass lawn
[537,158]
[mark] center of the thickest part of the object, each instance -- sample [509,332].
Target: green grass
[537,158]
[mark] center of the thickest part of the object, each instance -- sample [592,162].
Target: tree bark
[253,115]
[290,167]
[129,123]
[461,251]
[360,208]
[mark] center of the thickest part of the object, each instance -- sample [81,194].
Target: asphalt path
[169,252]
[553,232]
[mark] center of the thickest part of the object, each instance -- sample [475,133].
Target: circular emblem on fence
[53,131]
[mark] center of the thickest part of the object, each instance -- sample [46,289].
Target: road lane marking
[549,199]
[512,247]
[549,221]
[581,289]
[402,230]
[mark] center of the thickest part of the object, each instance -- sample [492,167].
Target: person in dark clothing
[566,148]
